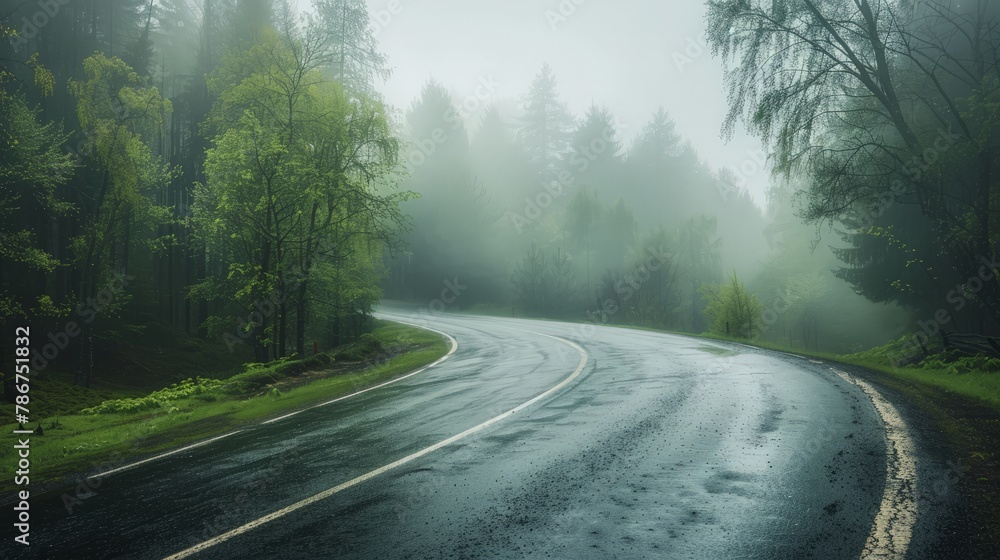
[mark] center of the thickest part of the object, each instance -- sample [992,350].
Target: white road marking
[893,527]
[369,475]
[454,347]
[161,456]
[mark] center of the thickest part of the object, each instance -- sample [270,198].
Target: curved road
[621,444]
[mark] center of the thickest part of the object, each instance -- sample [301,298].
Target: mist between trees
[237,160]
[879,206]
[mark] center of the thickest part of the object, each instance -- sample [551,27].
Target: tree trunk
[300,320]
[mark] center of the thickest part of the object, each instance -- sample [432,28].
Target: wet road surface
[622,444]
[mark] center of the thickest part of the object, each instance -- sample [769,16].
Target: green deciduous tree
[292,181]
[120,115]
[32,166]
[881,104]
[731,310]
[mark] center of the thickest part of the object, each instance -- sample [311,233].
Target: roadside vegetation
[124,426]
[977,377]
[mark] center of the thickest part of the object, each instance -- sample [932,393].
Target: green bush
[258,376]
[959,365]
[731,310]
[906,350]
[902,350]
[187,388]
[366,348]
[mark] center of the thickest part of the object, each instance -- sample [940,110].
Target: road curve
[534,440]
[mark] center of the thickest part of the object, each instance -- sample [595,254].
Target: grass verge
[78,443]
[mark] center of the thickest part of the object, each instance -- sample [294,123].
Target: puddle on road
[717,351]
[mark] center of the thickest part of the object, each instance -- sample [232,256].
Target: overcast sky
[621,53]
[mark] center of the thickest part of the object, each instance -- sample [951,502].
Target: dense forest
[229,169]
[225,169]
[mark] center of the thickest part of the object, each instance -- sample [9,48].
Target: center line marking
[372,474]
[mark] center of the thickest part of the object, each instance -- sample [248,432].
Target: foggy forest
[125,123]
[202,199]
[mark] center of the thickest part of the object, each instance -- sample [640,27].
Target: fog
[570,241]
[636,163]
[633,57]
[648,169]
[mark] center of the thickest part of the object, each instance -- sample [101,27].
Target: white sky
[618,53]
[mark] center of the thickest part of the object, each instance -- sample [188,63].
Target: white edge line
[892,529]
[369,475]
[160,456]
[454,347]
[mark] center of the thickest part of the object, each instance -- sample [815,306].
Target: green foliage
[121,116]
[897,351]
[731,310]
[983,364]
[44,79]
[367,347]
[907,350]
[32,167]
[289,203]
[33,164]
[258,375]
[75,442]
[899,152]
[157,399]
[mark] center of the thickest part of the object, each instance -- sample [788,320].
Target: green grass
[971,381]
[981,385]
[78,442]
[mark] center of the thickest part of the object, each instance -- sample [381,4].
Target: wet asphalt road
[662,447]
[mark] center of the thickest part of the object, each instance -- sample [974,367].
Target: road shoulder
[134,438]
